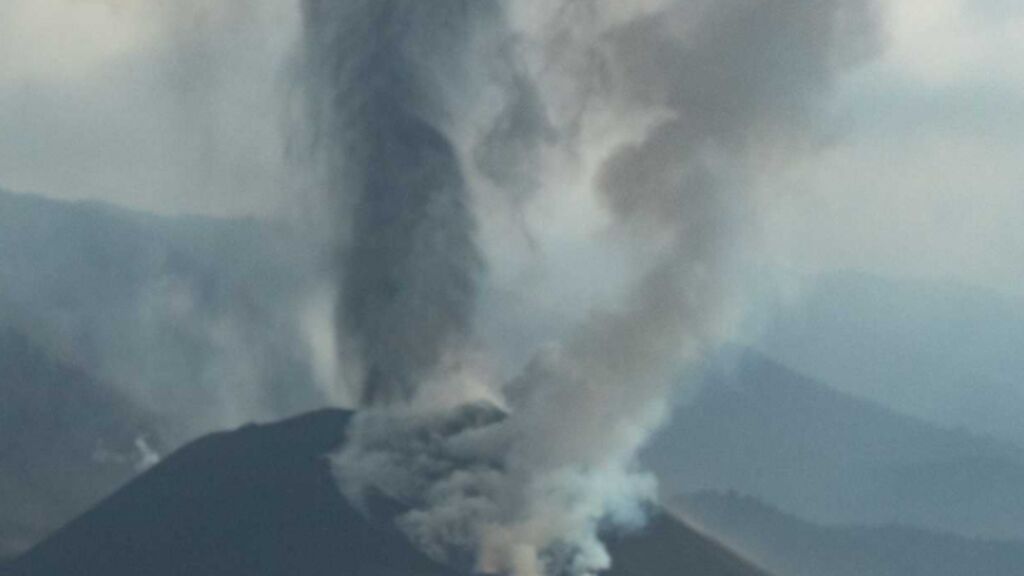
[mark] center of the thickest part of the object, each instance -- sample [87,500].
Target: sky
[924,176]
[163,106]
[183,107]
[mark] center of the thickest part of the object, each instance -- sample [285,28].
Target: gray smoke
[655,120]
[406,253]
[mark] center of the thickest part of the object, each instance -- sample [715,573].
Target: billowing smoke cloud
[656,118]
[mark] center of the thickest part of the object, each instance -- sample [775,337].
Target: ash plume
[407,261]
[656,118]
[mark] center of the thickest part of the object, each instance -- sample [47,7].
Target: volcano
[261,501]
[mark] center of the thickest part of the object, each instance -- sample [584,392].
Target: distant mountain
[945,352]
[787,545]
[261,501]
[122,330]
[66,441]
[194,317]
[759,428]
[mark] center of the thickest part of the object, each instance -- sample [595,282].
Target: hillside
[149,303]
[942,351]
[261,501]
[761,429]
[66,441]
[791,546]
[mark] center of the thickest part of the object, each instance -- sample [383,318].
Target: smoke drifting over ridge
[657,117]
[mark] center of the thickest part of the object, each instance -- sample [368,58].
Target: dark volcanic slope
[251,502]
[261,501]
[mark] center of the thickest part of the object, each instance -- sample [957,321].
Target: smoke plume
[654,119]
[408,264]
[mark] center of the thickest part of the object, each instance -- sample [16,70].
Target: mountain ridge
[760,428]
[941,350]
[795,547]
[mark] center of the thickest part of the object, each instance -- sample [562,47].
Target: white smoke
[634,129]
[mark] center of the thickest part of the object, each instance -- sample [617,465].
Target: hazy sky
[925,176]
[166,106]
[179,107]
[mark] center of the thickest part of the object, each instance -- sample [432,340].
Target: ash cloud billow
[658,117]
